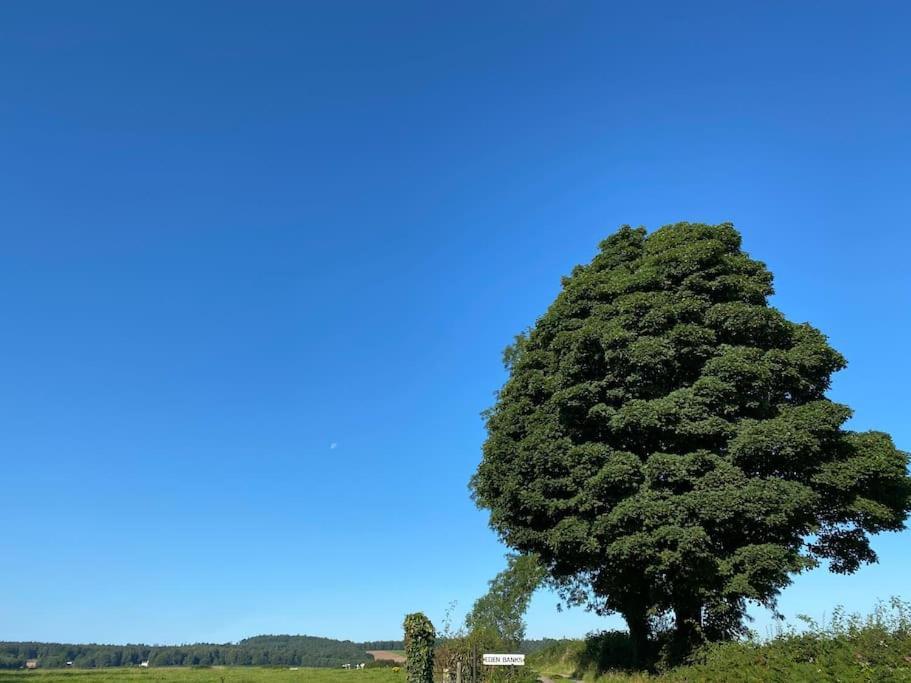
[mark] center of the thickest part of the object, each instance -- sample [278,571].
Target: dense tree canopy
[665,445]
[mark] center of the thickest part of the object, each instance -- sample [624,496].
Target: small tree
[419,641]
[501,610]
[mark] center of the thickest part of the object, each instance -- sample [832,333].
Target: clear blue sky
[259,260]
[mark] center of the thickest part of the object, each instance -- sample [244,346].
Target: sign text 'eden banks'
[504,660]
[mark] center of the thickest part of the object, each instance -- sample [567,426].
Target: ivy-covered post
[419,641]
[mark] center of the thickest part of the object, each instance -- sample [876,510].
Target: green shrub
[848,649]
[607,651]
[419,640]
[558,657]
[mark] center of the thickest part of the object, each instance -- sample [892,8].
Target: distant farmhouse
[31,663]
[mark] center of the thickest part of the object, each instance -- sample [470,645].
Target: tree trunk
[687,630]
[639,632]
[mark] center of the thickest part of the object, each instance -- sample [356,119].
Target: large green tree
[664,442]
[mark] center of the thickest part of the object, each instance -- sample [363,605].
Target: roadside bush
[607,651]
[600,652]
[850,648]
[419,640]
[467,649]
[558,657]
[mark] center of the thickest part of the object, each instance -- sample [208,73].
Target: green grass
[203,675]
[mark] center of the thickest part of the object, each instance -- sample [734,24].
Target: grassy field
[203,675]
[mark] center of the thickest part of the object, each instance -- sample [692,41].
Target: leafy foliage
[501,610]
[598,653]
[419,640]
[848,648]
[494,624]
[664,443]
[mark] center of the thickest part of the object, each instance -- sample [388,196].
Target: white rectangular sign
[504,660]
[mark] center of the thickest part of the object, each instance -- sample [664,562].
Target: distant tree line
[383,645]
[256,651]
